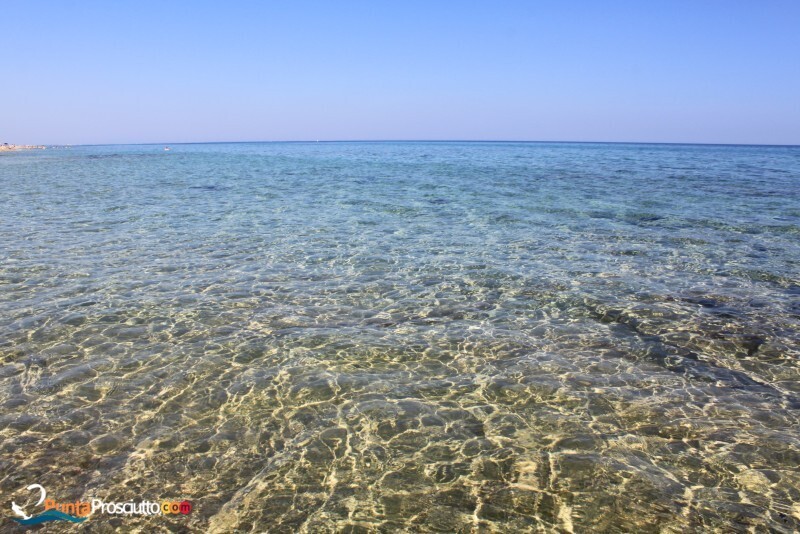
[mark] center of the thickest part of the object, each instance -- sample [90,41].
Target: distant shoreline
[8,148]
[432,141]
[11,147]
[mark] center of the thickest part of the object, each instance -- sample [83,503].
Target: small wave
[50,515]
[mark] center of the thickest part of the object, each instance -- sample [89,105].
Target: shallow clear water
[413,337]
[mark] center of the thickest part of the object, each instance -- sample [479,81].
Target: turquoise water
[418,337]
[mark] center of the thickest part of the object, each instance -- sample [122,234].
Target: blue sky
[664,71]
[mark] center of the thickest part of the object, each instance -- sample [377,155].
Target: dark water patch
[705,302]
[626,252]
[683,360]
[120,156]
[601,214]
[210,187]
[725,312]
[638,218]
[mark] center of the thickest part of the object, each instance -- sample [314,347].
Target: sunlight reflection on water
[406,336]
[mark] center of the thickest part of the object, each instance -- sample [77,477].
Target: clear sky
[712,71]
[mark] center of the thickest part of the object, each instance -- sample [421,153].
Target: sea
[404,336]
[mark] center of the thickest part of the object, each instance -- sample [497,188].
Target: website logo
[79,511]
[49,514]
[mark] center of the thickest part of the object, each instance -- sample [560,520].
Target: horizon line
[672,143]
